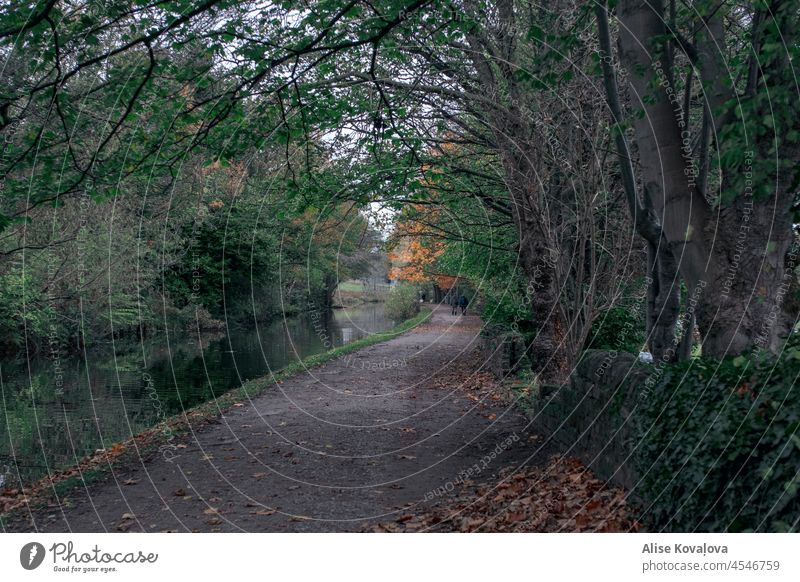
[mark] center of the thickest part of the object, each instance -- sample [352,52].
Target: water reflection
[56,414]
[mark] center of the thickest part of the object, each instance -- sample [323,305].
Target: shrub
[719,446]
[402,302]
[505,307]
[619,329]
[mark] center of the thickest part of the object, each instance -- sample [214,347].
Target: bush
[719,446]
[618,329]
[505,307]
[402,302]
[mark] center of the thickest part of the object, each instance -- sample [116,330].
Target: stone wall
[592,416]
[502,352]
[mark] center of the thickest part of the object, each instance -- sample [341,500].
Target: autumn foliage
[415,248]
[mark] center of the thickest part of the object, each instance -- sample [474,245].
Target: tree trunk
[732,262]
[663,293]
[548,350]
[666,306]
[666,169]
[742,306]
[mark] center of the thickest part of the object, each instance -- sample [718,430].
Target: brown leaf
[563,496]
[515,516]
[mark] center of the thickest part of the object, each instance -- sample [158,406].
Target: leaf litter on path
[564,496]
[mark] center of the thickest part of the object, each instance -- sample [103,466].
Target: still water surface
[52,413]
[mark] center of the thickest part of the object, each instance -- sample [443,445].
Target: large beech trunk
[548,350]
[663,292]
[733,259]
[742,304]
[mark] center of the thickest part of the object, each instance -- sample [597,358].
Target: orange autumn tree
[447,282]
[414,245]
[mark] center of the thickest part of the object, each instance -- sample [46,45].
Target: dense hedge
[719,446]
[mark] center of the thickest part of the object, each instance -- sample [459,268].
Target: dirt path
[381,432]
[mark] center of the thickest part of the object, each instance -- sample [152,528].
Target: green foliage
[619,328]
[403,302]
[507,305]
[235,244]
[719,445]
[484,255]
[24,313]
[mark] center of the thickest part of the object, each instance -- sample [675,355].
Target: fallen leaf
[563,496]
[515,516]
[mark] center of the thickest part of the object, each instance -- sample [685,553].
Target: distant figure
[454,303]
[424,296]
[463,303]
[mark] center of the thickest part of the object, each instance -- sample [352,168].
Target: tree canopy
[594,148]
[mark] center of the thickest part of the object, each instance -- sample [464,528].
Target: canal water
[53,413]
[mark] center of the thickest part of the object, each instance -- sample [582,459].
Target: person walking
[463,303]
[453,303]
